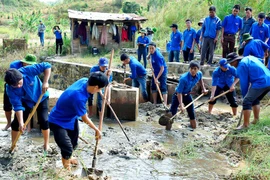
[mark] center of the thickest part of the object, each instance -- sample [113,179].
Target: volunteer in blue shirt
[254,82]
[248,20]
[210,31]
[189,42]
[142,43]
[198,34]
[7,106]
[58,36]
[199,42]
[230,26]
[138,74]
[182,95]
[160,70]
[260,30]
[267,21]
[101,67]
[23,89]
[70,106]
[223,79]
[254,47]
[176,43]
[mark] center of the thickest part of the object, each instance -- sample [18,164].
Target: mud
[153,152]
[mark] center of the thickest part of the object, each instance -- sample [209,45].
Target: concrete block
[125,102]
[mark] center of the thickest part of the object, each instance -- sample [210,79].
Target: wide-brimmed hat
[233,57]
[30,59]
[142,31]
[174,26]
[201,21]
[223,63]
[247,36]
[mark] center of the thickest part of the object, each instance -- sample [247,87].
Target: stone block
[125,102]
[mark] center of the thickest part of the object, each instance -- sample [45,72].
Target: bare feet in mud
[7,126]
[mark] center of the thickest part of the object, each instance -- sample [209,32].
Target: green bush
[66,48]
[131,7]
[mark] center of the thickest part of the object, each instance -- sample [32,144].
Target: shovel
[213,99]
[26,123]
[93,169]
[157,85]
[116,117]
[167,119]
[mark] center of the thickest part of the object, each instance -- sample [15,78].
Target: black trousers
[42,113]
[67,140]
[59,43]
[7,105]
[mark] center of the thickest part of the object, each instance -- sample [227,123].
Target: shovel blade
[91,171]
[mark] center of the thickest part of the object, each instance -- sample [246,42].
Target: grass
[257,155]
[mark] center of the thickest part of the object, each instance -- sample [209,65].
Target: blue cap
[223,63]
[103,61]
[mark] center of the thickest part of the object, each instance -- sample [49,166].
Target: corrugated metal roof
[97,16]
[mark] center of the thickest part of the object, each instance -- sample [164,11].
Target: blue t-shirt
[210,27]
[96,68]
[198,35]
[142,40]
[187,82]
[251,70]
[70,105]
[266,21]
[255,47]
[232,24]
[189,36]
[157,61]
[176,39]
[58,35]
[16,64]
[260,32]
[136,67]
[222,78]
[31,89]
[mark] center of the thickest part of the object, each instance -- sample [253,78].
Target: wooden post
[71,36]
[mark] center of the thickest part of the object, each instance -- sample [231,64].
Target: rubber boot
[66,163]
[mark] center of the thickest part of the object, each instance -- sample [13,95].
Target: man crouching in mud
[24,89]
[71,105]
[182,95]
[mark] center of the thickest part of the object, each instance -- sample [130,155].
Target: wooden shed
[103,30]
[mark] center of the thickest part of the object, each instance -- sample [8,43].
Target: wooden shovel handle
[27,121]
[158,88]
[220,95]
[188,105]
[105,96]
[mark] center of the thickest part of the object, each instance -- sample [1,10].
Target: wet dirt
[153,152]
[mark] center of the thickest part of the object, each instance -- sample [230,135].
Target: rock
[99,152]
[113,152]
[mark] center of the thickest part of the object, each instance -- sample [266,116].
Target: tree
[131,7]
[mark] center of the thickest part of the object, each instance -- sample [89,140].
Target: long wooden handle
[105,96]
[102,115]
[27,121]
[160,94]
[220,95]
[187,106]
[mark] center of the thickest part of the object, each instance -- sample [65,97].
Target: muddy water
[153,153]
